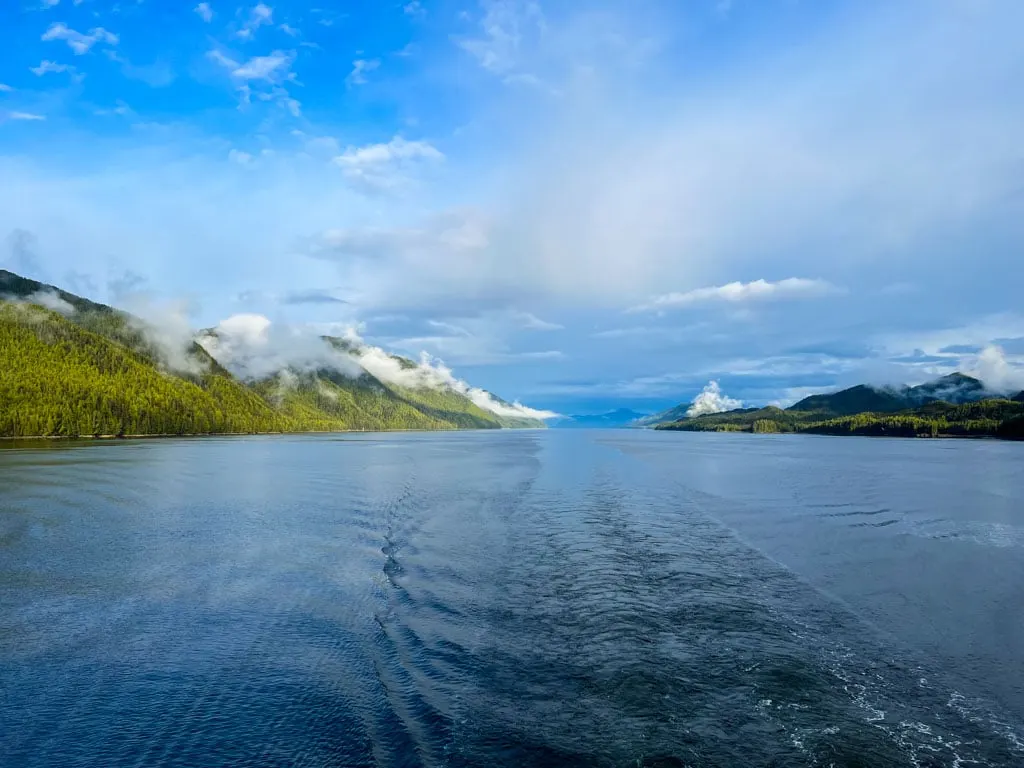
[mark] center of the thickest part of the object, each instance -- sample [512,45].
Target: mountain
[853,400]
[955,388]
[954,405]
[672,414]
[73,367]
[510,420]
[621,417]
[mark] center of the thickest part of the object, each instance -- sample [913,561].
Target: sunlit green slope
[82,368]
[57,378]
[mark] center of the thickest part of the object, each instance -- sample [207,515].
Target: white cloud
[289,30]
[205,12]
[78,42]
[360,67]
[434,374]
[396,150]
[259,15]
[44,298]
[999,372]
[263,77]
[218,57]
[167,326]
[5,88]
[738,293]
[270,68]
[503,26]
[246,329]
[254,347]
[415,9]
[251,346]
[46,66]
[534,323]
[51,300]
[387,165]
[31,116]
[515,409]
[262,14]
[712,400]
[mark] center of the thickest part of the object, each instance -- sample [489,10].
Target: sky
[578,205]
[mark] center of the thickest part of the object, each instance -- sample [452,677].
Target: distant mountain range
[672,414]
[955,405]
[622,417]
[72,367]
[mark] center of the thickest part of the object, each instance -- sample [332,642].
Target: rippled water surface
[512,599]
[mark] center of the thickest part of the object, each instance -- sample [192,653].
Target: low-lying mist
[253,347]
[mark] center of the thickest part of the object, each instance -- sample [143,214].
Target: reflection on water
[512,599]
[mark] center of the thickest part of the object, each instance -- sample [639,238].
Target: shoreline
[164,436]
[844,434]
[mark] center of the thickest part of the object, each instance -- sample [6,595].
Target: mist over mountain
[956,388]
[74,367]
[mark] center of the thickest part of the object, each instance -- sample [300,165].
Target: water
[513,599]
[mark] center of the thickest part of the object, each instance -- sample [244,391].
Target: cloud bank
[741,293]
[996,371]
[253,347]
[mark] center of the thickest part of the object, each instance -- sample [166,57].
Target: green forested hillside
[955,405]
[859,399]
[992,417]
[955,388]
[59,379]
[325,401]
[438,405]
[89,369]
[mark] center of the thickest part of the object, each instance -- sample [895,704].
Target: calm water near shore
[536,598]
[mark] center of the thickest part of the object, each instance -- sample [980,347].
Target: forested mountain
[72,367]
[922,411]
[853,400]
[955,388]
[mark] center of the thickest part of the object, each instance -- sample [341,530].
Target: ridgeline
[70,367]
[952,406]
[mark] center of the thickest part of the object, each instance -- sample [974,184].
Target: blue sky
[581,205]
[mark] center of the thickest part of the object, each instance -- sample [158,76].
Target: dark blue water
[512,599]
